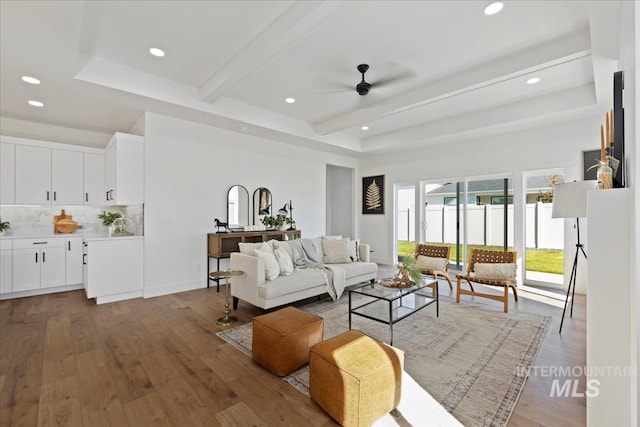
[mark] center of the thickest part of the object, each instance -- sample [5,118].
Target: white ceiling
[232,63]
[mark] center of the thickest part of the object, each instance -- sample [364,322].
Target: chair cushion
[431,263]
[497,271]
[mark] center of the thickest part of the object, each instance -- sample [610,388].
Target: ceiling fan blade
[323,86]
[405,74]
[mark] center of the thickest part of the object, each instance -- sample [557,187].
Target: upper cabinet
[124,170]
[33,175]
[67,177]
[48,176]
[7,174]
[94,179]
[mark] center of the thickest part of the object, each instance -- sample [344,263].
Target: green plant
[410,265]
[274,221]
[108,217]
[290,221]
[4,225]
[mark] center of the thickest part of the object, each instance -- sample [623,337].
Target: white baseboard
[171,289]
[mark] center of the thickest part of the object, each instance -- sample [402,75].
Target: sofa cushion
[271,267]
[284,285]
[354,269]
[283,245]
[335,251]
[248,248]
[431,263]
[354,250]
[284,261]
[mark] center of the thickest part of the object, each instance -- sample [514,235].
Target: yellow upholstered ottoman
[355,378]
[281,339]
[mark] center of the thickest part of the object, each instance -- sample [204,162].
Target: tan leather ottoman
[282,339]
[355,378]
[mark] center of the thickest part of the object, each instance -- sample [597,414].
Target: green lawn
[541,260]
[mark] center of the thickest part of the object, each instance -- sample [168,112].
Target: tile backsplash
[28,220]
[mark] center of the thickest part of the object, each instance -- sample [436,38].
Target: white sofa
[254,288]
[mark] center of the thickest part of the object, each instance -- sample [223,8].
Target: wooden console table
[220,245]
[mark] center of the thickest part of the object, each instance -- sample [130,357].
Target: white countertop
[87,236]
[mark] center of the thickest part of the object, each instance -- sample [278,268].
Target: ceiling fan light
[493,8]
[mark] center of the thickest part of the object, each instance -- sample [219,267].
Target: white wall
[341,204]
[555,146]
[188,169]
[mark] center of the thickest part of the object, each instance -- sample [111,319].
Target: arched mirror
[237,207]
[261,204]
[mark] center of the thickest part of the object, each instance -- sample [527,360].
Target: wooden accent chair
[435,252]
[489,257]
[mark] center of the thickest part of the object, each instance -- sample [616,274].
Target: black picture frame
[373,195]
[590,159]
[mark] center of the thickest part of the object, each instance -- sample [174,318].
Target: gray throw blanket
[307,256]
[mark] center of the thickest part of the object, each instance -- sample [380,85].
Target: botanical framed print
[373,195]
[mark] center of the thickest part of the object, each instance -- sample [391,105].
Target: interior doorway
[340,201]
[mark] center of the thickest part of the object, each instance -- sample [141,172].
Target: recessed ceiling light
[533,80]
[156,52]
[493,8]
[31,80]
[35,103]
[289,100]
[364,128]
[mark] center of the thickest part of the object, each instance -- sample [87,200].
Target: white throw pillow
[498,271]
[335,251]
[248,248]
[284,261]
[332,237]
[271,267]
[431,263]
[283,245]
[354,250]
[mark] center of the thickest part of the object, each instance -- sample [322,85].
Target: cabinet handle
[84,259]
[43,254]
[106,195]
[40,243]
[47,196]
[69,246]
[54,196]
[86,197]
[36,257]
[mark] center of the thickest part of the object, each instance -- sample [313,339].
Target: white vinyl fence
[486,225]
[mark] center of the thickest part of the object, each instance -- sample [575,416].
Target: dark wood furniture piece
[220,245]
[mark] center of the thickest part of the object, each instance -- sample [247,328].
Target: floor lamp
[570,201]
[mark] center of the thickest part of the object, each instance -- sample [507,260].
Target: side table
[226,320]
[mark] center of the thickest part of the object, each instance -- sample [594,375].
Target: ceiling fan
[364,87]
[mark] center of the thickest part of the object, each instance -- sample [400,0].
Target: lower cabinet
[6,266]
[38,263]
[73,258]
[113,268]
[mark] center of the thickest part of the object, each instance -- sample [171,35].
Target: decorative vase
[403,278]
[604,175]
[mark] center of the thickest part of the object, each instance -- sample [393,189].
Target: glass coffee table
[390,305]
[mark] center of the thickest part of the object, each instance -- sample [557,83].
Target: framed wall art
[373,195]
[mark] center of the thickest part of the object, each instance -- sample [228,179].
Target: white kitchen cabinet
[94,179]
[32,175]
[6,268]
[38,263]
[73,258]
[7,173]
[113,268]
[48,176]
[124,170]
[67,176]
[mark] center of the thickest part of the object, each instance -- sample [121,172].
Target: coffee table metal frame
[391,305]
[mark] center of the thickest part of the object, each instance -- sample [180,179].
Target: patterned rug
[470,359]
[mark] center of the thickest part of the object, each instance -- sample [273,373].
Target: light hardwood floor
[157,361]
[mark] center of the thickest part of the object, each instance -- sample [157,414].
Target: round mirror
[237,207]
[261,204]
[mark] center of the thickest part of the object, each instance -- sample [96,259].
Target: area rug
[471,359]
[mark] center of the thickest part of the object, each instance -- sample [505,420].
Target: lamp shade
[570,199]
